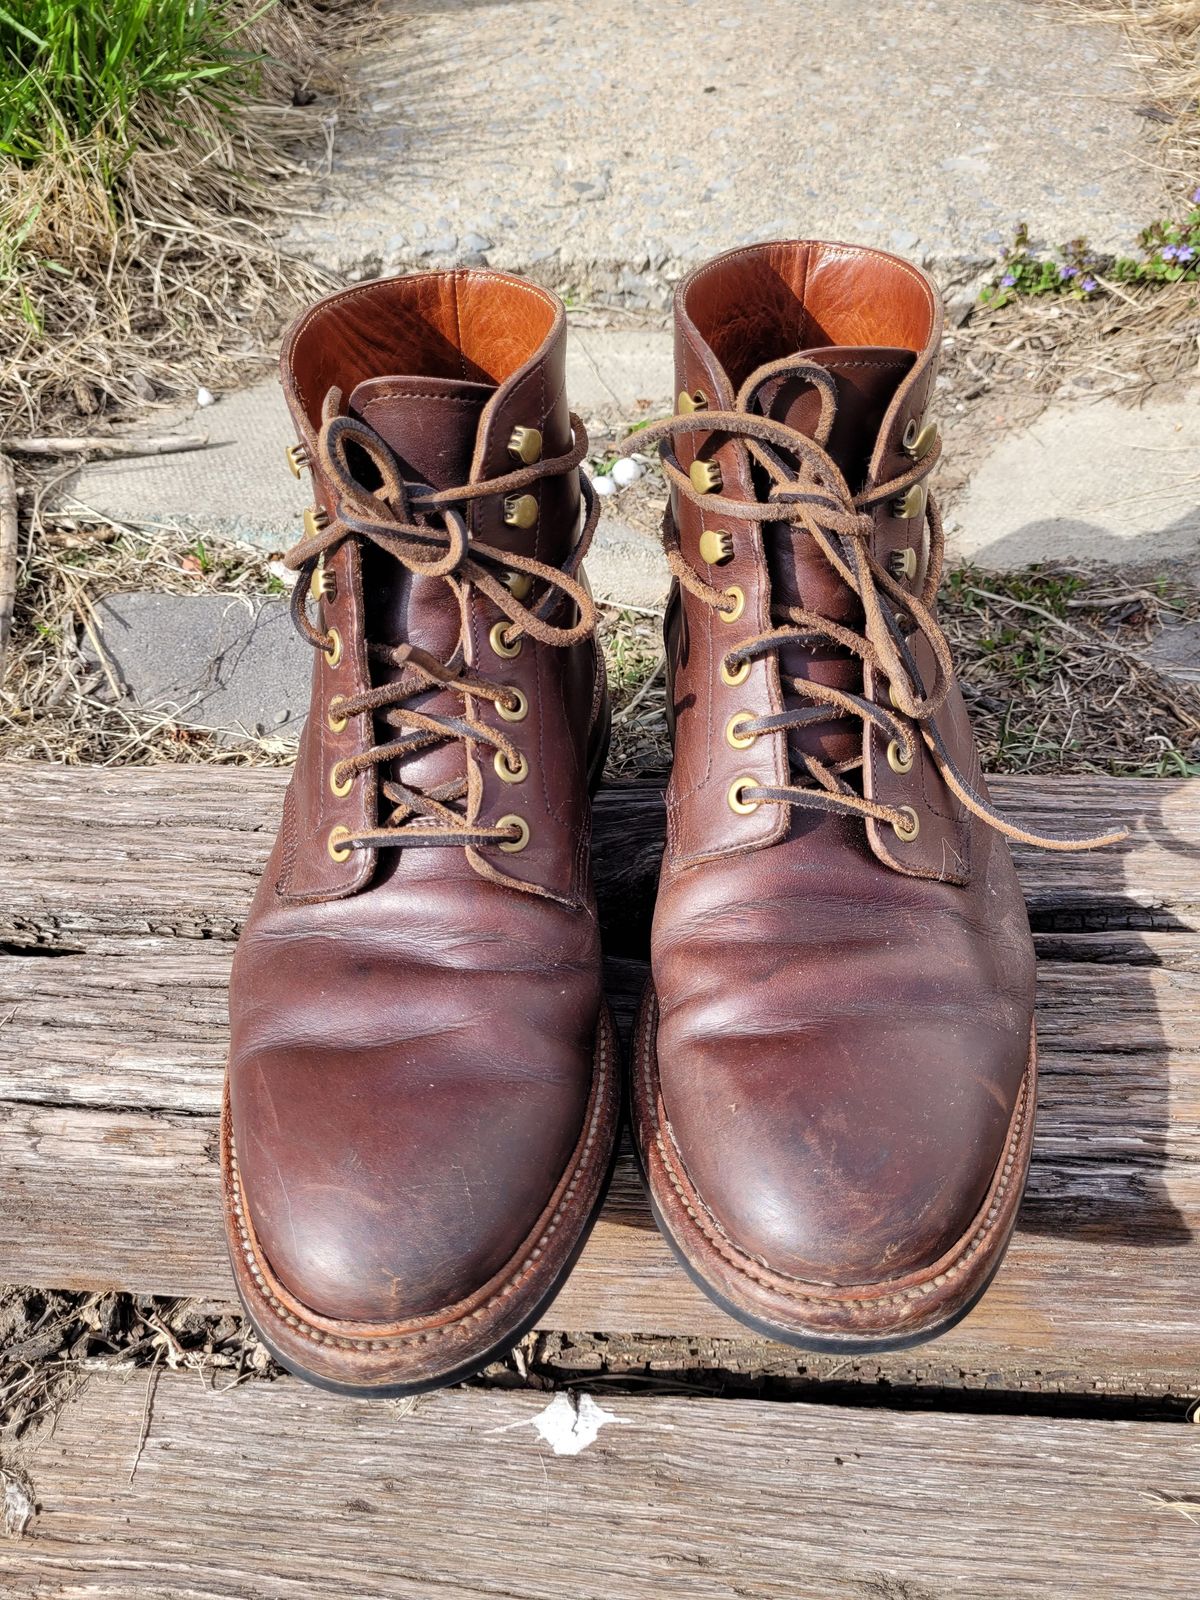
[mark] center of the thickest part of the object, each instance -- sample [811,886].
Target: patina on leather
[834,1071]
[422,1082]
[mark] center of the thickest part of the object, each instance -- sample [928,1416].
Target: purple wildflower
[1065,273]
[1184,252]
[1088,285]
[1007,281]
[1170,252]
[1196,198]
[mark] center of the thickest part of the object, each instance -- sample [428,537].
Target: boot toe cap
[399,1204]
[840,1168]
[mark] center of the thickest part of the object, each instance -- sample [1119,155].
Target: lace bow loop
[804,488]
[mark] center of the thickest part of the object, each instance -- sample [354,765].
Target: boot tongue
[431,424]
[867,378]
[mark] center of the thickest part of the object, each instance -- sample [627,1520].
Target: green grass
[145,146]
[79,69]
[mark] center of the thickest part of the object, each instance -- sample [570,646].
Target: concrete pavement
[606,148]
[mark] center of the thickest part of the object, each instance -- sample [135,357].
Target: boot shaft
[872,324]
[455,380]
[462,373]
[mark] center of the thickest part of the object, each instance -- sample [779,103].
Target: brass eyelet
[337,850]
[739,605]
[892,696]
[911,827]
[896,760]
[904,562]
[716,546]
[512,847]
[334,722]
[297,459]
[516,774]
[518,584]
[525,444]
[520,511]
[499,645]
[322,585]
[736,803]
[514,713]
[738,675]
[697,400]
[910,504]
[739,741]
[918,441]
[333,648]
[339,789]
[316,520]
[706,477]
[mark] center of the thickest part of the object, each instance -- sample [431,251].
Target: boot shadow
[1109,984]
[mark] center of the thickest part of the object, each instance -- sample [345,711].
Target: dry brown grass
[166,277]
[50,1340]
[1164,42]
[1054,346]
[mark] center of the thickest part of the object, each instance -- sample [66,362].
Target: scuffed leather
[843,1019]
[840,1047]
[412,1042]
[408,1075]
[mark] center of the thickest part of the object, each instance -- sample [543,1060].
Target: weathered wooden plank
[142,1022]
[113,1049]
[1100,1287]
[270,1492]
[108,1166]
[178,850]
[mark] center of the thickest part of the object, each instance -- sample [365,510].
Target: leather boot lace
[426,531]
[808,490]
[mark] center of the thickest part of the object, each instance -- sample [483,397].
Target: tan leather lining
[440,325]
[752,306]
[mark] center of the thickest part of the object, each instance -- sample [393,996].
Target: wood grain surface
[277,1492]
[121,894]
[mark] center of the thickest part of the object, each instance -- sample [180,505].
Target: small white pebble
[625,472]
[205,397]
[603,484]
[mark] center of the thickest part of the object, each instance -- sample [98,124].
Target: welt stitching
[748,1267]
[505,1290]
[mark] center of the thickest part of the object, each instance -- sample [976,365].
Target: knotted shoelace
[809,491]
[426,531]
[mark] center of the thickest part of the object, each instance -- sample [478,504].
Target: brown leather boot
[422,1086]
[834,1079]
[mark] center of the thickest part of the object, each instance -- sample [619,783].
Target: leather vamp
[839,1057]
